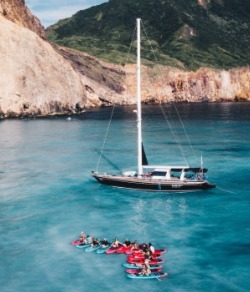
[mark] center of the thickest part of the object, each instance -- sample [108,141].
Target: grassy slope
[182,33]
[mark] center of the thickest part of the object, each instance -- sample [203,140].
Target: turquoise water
[47,198]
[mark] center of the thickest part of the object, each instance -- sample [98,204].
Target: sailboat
[154,177]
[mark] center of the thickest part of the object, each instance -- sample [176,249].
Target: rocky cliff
[106,83]
[38,78]
[163,84]
[18,12]
[35,80]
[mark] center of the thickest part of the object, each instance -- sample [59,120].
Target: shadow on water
[101,155]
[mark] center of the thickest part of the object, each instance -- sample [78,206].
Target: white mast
[138,77]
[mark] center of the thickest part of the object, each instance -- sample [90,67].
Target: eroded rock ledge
[163,84]
[108,84]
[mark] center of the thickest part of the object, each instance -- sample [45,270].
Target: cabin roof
[174,168]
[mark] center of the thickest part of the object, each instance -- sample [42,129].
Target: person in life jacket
[116,243]
[145,268]
[127,243]
[151,248]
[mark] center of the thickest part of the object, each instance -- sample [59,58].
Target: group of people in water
[87,239]
[126,243]
[147,249]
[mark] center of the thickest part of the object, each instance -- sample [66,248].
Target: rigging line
[106,136]
[169,123]
[130,47]
[127,58]
[176,136]
[152,49]
[176,140]
[190,144]
[164,114]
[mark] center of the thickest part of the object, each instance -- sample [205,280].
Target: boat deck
[149,180]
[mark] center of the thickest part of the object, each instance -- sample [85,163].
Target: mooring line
[227,191]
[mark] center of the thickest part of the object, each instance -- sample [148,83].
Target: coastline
[56,115]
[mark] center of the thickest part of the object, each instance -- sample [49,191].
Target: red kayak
[133,271]
[123,249]
[132,251]
[139,251]
[163,250]
[141,261]
[76,242]
[113,249]
[142,257]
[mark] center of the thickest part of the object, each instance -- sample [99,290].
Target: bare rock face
[35,79]
[18,12]
[38,78]
[103,82]
[163,84]
[108,84]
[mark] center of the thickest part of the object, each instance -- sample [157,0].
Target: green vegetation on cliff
[182,32]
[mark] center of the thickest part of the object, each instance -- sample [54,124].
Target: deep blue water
[47,197]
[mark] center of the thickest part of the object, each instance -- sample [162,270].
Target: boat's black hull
[150,185]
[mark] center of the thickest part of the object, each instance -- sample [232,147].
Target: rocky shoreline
[72,114]
[42,80]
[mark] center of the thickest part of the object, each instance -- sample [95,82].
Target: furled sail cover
[144,157]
